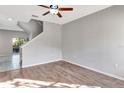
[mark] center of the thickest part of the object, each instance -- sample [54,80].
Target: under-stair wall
[44,48]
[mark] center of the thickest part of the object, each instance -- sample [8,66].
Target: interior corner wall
[96,41]
[44,48]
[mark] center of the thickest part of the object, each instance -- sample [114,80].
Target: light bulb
[54,11]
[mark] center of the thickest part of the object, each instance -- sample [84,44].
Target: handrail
[24,45]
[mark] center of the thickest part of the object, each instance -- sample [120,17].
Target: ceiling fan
[55,10]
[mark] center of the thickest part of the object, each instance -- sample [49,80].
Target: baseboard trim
[26,66]
[96,70]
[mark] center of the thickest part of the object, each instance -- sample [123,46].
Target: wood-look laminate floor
[57,74]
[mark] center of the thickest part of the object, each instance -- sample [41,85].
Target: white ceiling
[24,13]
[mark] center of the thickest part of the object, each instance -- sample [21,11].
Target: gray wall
[6,41]
[44,48]
[97,41]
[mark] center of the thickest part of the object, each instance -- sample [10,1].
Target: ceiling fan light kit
[55,10]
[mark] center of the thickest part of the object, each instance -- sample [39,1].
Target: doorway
[16,44]
[16,57]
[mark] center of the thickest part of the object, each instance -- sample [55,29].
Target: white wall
[44,48]
[6,41]
[96,41]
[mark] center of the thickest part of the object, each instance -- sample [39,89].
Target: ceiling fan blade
[44,6]
[59,14]
[46,13]
[65,9]
[35,16]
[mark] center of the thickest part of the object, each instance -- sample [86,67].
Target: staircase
[33,28]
